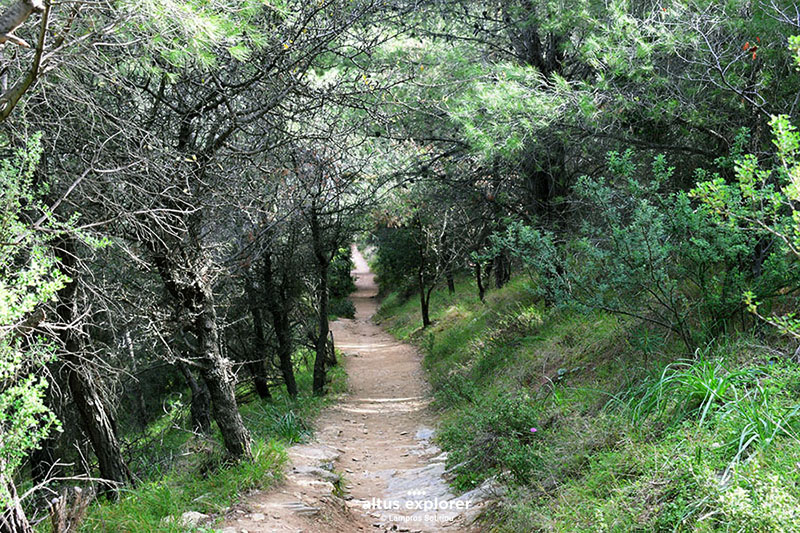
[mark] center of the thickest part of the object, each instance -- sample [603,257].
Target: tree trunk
[257,365]
[479,280]
[137,392]
[330,350]
[100,427]
[502,271]
[285,349]
[322,335]
[260,381]
[200,406]
[423,301]
[13,519]
[218,375]
[323,263]
[193,294]
[277,303]
[96,420]
[448,263]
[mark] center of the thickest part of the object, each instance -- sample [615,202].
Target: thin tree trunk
[448,266]
[257,366]
[200,405]
[138,393]
[285,349]
[322,334]
[323,263]
[479,280]
[278,308]
[423,301]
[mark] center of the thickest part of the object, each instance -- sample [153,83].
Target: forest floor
[372,465]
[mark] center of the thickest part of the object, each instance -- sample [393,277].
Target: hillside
[589,430]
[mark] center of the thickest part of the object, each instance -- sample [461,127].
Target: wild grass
[632,433]
[196,477]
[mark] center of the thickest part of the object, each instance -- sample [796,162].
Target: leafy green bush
[341,283]
[763,201]
[29,276]
[496,437]
[651,254]
[342,308]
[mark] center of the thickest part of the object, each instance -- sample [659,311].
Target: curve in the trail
[372,465]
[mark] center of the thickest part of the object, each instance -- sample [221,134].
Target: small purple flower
[533,430]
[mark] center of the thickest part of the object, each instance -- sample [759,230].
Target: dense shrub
[498,438]
[652,254]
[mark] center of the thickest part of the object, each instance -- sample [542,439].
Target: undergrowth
[594,422]
[191,472]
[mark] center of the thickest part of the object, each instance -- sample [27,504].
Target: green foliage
[762,200]
[494,439]
[342,285]
[29,277]
[196,32]
[537,252]
[396,257]
[650,254]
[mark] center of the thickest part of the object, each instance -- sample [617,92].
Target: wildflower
[533,430]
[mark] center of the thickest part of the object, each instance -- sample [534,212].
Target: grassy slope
[621,441]
[198,481]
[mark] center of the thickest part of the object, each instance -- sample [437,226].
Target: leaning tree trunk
[95,418]
[14,16]
[99,425]
[218,375]
[424,300]
[192,292]
[321,356]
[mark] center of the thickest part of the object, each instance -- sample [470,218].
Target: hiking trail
[372,464]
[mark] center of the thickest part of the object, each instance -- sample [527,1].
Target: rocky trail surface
[372,465]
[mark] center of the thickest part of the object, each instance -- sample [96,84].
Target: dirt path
[372,465]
